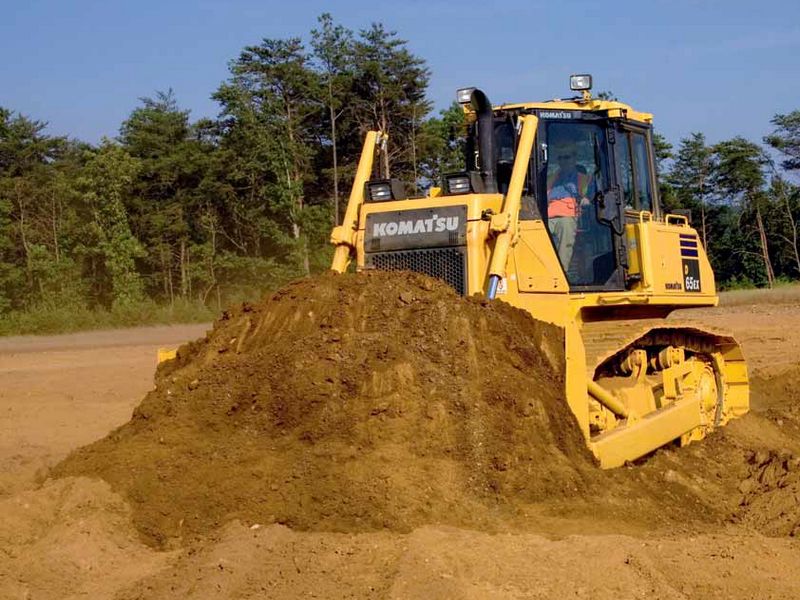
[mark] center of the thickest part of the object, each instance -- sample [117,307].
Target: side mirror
[608,205]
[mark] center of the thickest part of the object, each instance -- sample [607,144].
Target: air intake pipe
[483,109]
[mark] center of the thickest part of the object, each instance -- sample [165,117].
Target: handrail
[682,220]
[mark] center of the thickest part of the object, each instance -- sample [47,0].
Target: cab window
[573,171]
[625,169]
[644,190]
[635,175]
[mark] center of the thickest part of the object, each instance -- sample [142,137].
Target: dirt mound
[349,403]
[72,538]
[771,494]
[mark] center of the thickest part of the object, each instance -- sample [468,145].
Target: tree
[442,141]
[333,53]
[270,111]
[662,149]
[786,139]
[739,178]
[390,86]
[785,221]
[167,198]
[107,177]
[607,95]
[691,177]
[32,191]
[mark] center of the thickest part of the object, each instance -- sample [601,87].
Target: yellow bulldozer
[557,212]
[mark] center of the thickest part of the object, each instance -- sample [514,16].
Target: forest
[174,218]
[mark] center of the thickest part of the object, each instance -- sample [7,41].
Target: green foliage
[390,95]
[692,171]
[739,170]
[177,218]
[67,318]
[442,144]
[786,138]
[107,177]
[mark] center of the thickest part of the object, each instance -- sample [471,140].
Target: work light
[464,95]
[579,83]
[457,183]
[381,190]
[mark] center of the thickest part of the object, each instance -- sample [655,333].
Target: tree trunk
[793,225]
[54,219]
[184,285]
[23,236]
[414,146]
[335,173]
[703,225]
[385,130]
[212,232]
[765,249]
[335,155]
[295,179]
[703,202]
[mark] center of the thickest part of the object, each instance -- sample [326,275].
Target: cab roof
[613,108]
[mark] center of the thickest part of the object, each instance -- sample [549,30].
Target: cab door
[635,170]
[573,177]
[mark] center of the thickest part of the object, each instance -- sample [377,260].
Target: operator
[569,188]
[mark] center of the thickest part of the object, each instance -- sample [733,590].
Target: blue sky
[721,67]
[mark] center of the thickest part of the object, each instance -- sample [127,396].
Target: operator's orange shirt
[563,207]
[567,206]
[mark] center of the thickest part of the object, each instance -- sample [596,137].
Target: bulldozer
[557,212]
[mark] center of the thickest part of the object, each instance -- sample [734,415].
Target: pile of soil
[350,403]
[771,494]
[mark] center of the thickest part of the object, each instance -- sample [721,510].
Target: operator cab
[592,170]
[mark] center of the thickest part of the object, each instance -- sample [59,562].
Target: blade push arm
[343,236]
[505,224]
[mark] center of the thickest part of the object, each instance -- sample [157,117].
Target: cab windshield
[573,169]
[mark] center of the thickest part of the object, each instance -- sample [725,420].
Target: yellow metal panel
[618,446]
[536,263]
[615,109]
[165,354]
[476,204]
[654,253]
[577,394]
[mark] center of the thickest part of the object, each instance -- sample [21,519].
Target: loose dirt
[397,470]
[351,403]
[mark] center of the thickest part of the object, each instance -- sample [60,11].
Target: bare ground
[74,537]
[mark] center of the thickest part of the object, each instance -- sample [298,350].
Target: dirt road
[61,392]
[74,537]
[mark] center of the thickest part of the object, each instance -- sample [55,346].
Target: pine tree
[270,112]
[390,86]
[739,178]
[333,53]
[442,140]
[786,139]
[691,177]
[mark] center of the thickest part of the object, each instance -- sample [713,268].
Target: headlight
[381,190]
[579,83]
[464,95]
[457,183]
